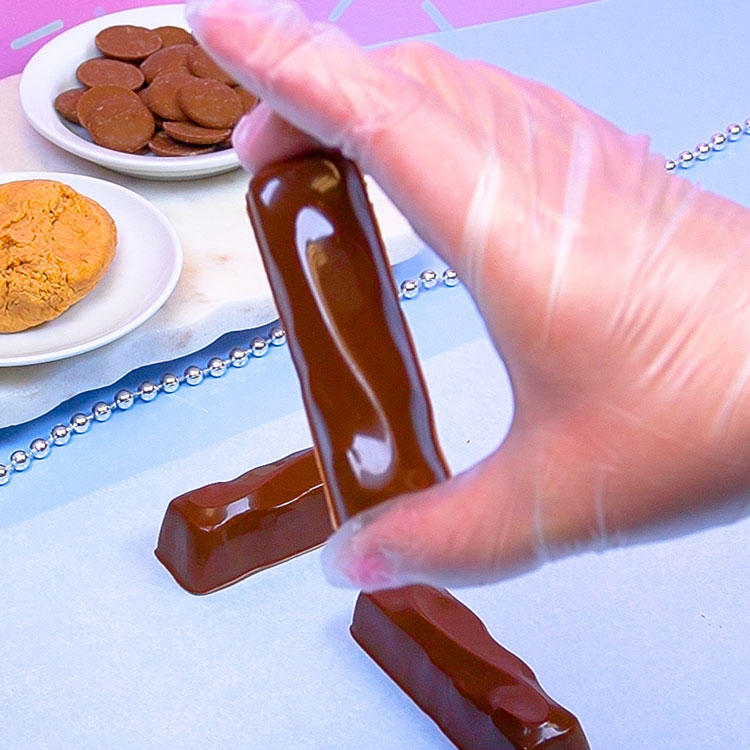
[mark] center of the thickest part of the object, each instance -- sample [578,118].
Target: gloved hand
[617,295]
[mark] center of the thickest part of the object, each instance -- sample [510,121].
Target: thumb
[474,528]
[542,495]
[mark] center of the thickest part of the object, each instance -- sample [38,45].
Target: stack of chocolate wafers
[154,91]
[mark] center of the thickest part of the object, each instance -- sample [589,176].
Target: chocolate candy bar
[363,391]
[215,535]
[480,695]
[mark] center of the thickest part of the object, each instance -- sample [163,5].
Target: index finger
[317,79]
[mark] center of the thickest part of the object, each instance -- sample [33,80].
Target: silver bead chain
[717,142]
[20,460]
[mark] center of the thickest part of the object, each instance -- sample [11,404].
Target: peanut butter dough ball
[55,246]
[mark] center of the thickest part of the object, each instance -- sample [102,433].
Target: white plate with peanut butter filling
[52,70]
[138,281]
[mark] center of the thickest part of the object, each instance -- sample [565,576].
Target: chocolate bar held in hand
[215,535]
[363,391]
[480,695]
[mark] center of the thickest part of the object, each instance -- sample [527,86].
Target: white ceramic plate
[52,70]
[145,270]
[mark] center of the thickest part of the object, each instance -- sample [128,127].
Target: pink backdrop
[27,26]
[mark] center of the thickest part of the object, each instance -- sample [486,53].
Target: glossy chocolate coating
[361,384]
[480,695]
[215,535]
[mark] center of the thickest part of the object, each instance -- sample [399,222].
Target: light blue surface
[649,646]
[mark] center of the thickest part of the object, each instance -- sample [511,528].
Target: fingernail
[246,129]
[368,572]
[372,571]
[356,557]
[338,560]
[244,135]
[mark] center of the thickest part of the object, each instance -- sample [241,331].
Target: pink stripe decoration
[28,26]
[22,19]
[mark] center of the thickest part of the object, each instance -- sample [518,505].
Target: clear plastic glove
[617,295]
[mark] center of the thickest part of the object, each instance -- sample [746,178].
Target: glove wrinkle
[617,295]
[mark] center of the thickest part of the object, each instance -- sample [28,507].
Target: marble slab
[223,286]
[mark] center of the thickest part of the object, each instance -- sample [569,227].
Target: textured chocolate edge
[418,459]
[203,582]
[384,634]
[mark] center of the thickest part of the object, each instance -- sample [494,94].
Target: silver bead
[703,151]
[170,383]
[686,159]
[216,367]
[60,434]
[670,165]
[718,141]
[428,278]
[20,460]
[278,336]
[238,357]
[747,126]
[101,411]
[734,131]
[450,277]
[409,288]
[4,474]
[124,399]
[147,391]
[259,347]
[80,423]
[39,448]
[193,375]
